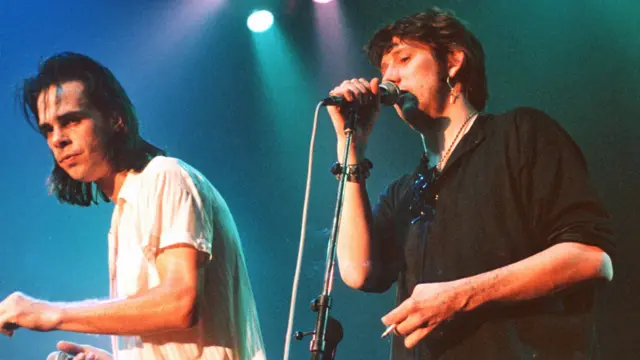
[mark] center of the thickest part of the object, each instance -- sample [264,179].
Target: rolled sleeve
[178,214]
[564,206]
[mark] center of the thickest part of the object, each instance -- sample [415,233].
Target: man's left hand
[19,310]
[429,306]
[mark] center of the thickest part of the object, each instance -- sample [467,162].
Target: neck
[112,183]
[439,138]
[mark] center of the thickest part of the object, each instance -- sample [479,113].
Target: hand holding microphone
[388,92]
[59,355]
[82,352]
[366,96]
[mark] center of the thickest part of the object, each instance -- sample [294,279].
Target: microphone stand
[327,334]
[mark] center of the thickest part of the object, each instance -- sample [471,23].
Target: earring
[453,96]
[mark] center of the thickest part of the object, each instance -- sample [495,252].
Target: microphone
[389,95]
[59,355]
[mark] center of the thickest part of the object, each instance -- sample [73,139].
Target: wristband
[355,172]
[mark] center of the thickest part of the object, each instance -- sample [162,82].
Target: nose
[59,138]
[391,74]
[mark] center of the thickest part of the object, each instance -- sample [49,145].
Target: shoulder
[525,120]
[535,133]
[165,171]
[163,166]
[527,127]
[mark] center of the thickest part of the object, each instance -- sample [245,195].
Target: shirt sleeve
[563,205]
[387,212]
[178,214]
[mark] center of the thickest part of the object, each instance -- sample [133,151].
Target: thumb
[70,348]
[375,84]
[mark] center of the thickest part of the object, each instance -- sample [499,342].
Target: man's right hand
[83,352]
[366,92]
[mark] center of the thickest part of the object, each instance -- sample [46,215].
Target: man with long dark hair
[179,285]
[496,241]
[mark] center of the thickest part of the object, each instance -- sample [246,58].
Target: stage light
[260,21]
[322,1]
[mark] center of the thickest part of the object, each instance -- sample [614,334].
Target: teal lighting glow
[260,21]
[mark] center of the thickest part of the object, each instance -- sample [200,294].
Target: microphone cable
[303,228]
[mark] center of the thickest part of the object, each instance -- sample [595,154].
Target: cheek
[98,139]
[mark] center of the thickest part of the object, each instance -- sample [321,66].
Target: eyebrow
[394,49]
[65,117]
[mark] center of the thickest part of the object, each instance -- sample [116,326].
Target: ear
[117,124]
[455,59]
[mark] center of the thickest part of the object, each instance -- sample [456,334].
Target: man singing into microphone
[179,284]
[496,241]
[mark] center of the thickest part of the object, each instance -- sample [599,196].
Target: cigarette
[388,331]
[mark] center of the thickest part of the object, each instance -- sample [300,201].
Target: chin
[80,178]
[79,174]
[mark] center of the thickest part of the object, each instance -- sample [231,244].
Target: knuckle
[400,330]
[412,303]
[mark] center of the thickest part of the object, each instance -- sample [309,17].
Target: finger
[412,323]
[353,91]
[10,326]
[69,347]
[345,90]
[80,356]
[357,89]
[374,85]
[361,87]
[400,313]
[365,83]
[336,91]
[367,94]
[414,338]
[348,94]
[7,327]
[339,91]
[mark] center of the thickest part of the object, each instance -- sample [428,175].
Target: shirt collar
[128,189]
[474,136]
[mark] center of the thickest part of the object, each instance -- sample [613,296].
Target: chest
[479,221]
[132,251]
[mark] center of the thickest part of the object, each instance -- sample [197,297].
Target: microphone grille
[391,93]
[59,355]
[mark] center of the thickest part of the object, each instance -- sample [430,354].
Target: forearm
[354,240]
[555,269]
[157,309]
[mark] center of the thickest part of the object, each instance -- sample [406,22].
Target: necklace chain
[455,139]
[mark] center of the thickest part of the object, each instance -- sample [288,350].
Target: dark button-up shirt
[515,185]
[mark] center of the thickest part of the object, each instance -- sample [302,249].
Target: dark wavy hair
[444,33]
[126,149]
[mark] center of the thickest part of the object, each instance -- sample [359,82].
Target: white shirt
[171,203]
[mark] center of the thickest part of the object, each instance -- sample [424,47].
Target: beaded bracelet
[355,172]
